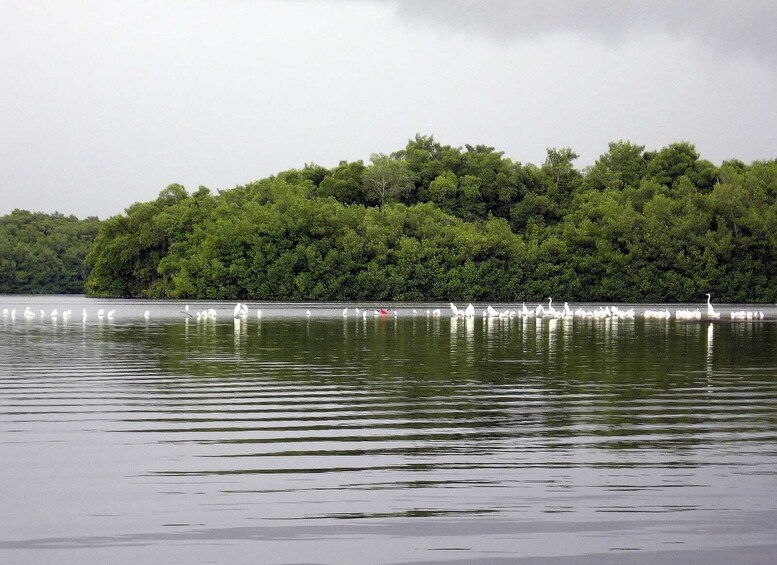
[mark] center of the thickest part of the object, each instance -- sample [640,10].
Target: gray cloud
[734,27]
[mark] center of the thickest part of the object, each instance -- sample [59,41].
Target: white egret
[307,313]
[111,313]
[710,310]
[147,314]
[687,314]
[454,309]
[469,312]
[258,313]
[551,310]
[345,312]
[101,313]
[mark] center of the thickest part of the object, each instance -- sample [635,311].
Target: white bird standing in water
[551,310]
[710,310]
[101,313]
[240,311]
[307,313]
[345,312]
[110,314]
[146,314]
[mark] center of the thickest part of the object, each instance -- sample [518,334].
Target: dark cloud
[733,27]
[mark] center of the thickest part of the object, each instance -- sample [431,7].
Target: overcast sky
[104,103]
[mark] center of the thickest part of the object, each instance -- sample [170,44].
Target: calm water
[324,439]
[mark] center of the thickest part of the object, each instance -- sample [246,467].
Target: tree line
[435,222]
[44,253]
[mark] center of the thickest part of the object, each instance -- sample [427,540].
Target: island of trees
[435,222]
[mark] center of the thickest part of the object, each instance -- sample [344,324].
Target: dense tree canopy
[435,222]
[44,253]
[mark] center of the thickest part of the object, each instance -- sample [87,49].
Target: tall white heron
[710,310]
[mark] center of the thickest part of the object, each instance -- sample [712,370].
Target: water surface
[390,439]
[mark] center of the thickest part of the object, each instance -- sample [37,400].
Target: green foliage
[623,166]
[433,222]
[387,179]
[344,183]
[44,253]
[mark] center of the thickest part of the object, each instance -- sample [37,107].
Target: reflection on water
[387,440]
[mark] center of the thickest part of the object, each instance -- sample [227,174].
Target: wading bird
[710,310]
